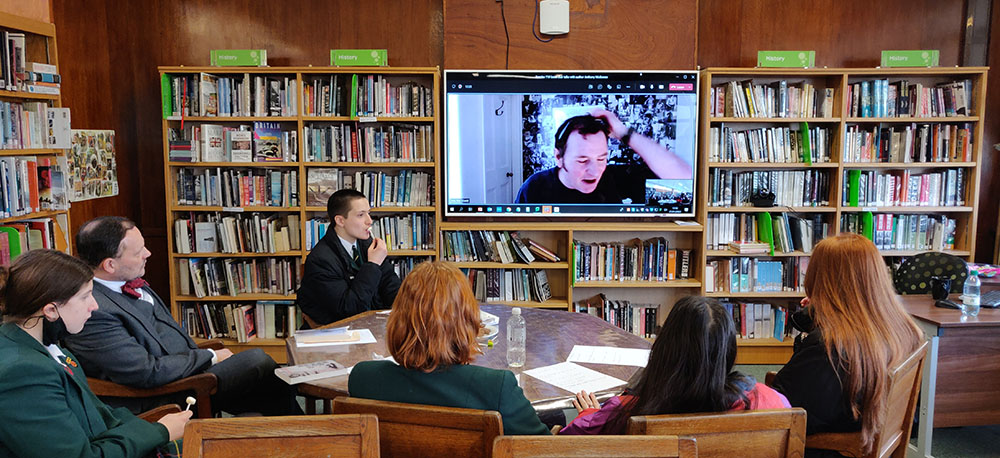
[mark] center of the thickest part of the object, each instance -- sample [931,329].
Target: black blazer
[811,380]
[333,289]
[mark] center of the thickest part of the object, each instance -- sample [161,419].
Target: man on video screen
[582,174]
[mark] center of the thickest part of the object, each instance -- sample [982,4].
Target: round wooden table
[551,335]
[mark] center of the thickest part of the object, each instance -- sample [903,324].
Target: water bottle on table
[970,295]
[516,336]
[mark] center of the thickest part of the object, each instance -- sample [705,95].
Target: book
[308,372]
[267,142]
[240,145]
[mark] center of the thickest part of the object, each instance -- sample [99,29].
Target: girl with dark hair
[46,406]
[690,370]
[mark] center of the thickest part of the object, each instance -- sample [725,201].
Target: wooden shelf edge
[759,295]
[500,265]
[638,284]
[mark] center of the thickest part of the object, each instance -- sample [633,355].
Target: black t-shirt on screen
[617,183]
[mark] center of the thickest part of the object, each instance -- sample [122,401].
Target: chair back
[203,386]
[778,433]
[416,430]
[594,446]
[287,437]
[893,435]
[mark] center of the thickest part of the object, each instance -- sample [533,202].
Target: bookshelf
[317,132]
[37,222]
[856,143]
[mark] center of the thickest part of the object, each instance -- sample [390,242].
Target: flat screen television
[570,143]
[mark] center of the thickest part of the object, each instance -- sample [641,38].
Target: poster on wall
[93,171]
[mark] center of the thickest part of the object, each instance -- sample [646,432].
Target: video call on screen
[500,143]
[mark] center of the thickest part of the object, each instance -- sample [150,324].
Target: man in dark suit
[133,340]
[346,273]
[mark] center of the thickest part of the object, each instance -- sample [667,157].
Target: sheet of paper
[366,337]
[609,355]
[573,378]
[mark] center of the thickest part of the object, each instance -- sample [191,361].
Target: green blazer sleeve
[519,418]
[45,412]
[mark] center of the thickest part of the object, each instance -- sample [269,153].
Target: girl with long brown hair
[839,372]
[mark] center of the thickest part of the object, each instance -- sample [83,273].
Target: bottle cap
[516,311]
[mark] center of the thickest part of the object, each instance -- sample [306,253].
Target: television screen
[547,143]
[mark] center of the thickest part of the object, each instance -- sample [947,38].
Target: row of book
[770,144]
[751,275]
[17,74]
[29,184]
[406,188]
[31,234]
[901,99]
[756,320]
[260,142]
[403,265]
[244,322]
[784,232]
[744,99]
[400,232]
[382,95]
[237,187]
[239,233]
[493,246]
[903,232]
[22,125]
[903,188]
[233,277]
[912,143]
[406,232]
[793,188]
[633,260]
[205,94]
[366,95]
[637,318]
[496,285]
[368,143]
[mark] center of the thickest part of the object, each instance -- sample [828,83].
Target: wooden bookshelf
[298,122]
[769,350]
[40,45]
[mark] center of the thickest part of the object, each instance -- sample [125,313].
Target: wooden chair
[758,433]
[892,436]
[287,437]
[203,385]
[415,430]
[153,415]
[594,446]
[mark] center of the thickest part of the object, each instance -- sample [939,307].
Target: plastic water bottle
[970,295]
[516,336]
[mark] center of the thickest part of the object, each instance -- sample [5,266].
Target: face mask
[53,331]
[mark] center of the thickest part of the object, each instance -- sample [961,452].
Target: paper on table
[573,378]
[609,355]
[366,337]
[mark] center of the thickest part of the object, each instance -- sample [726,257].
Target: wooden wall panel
[109,52]
[604,34]
[843,33]
[989,175]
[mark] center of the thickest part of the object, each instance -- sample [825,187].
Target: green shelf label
[911,58]
[359,57]
[786,59]
[239,57]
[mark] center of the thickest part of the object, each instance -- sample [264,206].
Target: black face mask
[53,332]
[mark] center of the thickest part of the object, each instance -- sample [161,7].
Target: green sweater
[46,411]
[465,386]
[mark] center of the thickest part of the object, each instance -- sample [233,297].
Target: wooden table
[964,356]
[551,336]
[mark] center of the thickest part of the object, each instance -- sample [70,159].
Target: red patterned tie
[131,287]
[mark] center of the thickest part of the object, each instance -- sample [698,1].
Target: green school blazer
[466,386]
[45,411]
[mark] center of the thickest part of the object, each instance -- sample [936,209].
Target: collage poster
[93,171]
